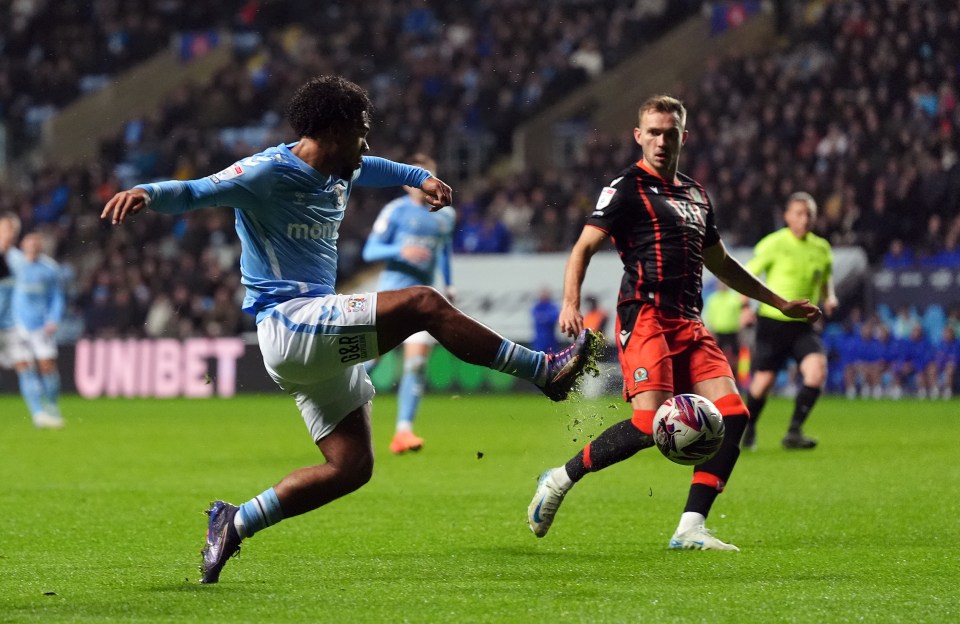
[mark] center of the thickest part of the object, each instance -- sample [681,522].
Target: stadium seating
[438,69]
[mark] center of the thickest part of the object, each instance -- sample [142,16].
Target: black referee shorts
[777,341]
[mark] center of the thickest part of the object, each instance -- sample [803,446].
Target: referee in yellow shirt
[799,265]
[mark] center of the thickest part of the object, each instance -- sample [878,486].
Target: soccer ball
[688,429]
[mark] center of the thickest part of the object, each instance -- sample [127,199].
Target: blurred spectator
[161,318]
[546,315]
[859,357]
[595,317]
[942,368]
[909,359]
[905,322]
[898,256]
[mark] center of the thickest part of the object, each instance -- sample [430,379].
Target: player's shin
[710,477]
[617,443]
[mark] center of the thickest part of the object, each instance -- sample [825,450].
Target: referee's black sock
[806,398]
[617,443]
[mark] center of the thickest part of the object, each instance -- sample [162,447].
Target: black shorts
[729,343]
[777,341]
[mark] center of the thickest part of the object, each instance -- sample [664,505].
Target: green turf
[102,521]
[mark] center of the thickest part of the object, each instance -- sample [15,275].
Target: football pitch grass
[103,520]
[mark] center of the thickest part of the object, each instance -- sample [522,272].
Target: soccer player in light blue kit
[289,201]
[9,231]
[37,304]
[414,242]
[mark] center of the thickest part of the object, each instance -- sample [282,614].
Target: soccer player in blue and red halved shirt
[289,201]
[414,242]
[662,224]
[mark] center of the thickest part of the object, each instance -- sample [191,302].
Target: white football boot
[698,538]
[543,508]
[43,420]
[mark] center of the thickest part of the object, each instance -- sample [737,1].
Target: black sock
[755,406]
[701,497]
[617,443]
[806,398]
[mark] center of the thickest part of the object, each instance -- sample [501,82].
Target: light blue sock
[51,389]
[258,513]
[31,389]
[408,396]
[519,361]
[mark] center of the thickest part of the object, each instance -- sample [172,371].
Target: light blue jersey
[38,295]
[402,223]
[287,217]
[6,292]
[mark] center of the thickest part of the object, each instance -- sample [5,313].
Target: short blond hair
[807,198]
[664,104]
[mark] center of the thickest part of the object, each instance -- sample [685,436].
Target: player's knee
[426,303]
[425,299]
[356,471]
[814,370]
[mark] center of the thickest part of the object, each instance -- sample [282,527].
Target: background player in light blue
[38,303]
[289,201]
[9,231]
[414,242]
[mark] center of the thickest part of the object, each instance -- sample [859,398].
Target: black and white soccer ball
[688,429]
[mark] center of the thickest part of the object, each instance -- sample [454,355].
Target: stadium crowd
[471,69]
[858,107]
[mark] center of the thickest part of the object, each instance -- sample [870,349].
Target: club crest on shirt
[640,375]
[340,190]
[356,303]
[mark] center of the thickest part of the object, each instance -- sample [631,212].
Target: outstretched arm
[736,276]
[571,320]
[176,196]
[381,172]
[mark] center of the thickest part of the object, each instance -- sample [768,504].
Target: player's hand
[571,321]
[438,192]
[830,306]
[801,309]
[50,329]
[123,204]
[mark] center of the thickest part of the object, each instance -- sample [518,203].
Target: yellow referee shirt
[793,268]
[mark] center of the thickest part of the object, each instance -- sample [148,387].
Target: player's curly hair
[326,105]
